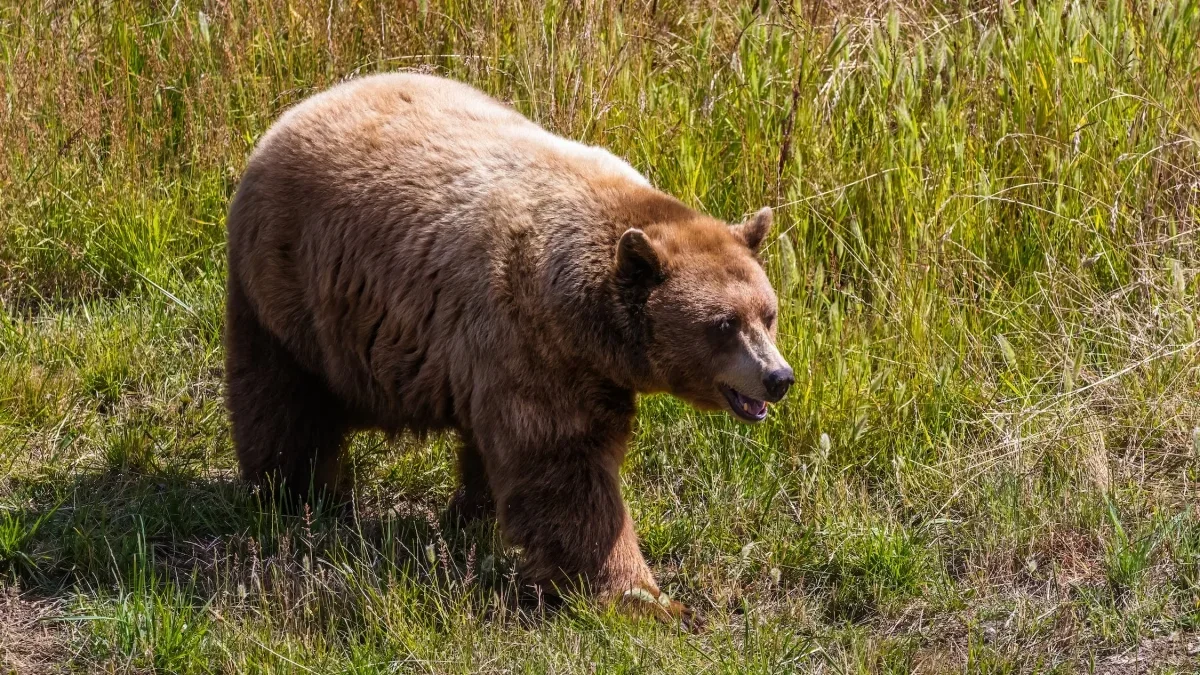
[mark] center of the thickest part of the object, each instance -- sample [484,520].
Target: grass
[987,261]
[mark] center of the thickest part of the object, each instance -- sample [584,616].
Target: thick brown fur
[405,253]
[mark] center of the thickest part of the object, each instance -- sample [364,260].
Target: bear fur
[408,254]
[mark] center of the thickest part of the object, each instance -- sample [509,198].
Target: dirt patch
[1153,655]
[30,644]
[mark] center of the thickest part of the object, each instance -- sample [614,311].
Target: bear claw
[644,603]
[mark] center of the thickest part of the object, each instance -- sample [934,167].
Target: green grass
[989,279]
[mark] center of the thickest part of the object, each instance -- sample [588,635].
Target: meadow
[988,265]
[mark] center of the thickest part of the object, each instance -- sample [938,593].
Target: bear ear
[637,260]
[754,231]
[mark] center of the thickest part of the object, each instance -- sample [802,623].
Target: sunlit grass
[986,255]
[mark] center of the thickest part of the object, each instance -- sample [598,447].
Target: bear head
[708,311]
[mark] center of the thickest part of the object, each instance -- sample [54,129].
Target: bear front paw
[646,603]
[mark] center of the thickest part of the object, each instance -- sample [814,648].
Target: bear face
[710,313]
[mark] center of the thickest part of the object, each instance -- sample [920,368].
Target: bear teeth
[743,406]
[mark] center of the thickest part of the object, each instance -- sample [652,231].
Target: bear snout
[777,382]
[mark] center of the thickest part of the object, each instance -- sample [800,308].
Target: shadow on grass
[212,537]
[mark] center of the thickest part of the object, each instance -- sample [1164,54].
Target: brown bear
[407,253]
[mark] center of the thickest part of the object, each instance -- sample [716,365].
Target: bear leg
[568,515]
[472,500]
[287,426]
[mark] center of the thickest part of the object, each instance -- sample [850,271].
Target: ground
[987,260]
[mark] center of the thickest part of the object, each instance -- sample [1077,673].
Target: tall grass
[987,260]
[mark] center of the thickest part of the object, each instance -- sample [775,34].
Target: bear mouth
[749,409]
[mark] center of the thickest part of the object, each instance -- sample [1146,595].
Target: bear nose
[777,382]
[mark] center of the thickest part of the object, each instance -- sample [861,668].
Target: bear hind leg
[472,500]
[288,428]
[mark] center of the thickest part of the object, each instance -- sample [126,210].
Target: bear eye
[727,325]
[769,319]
